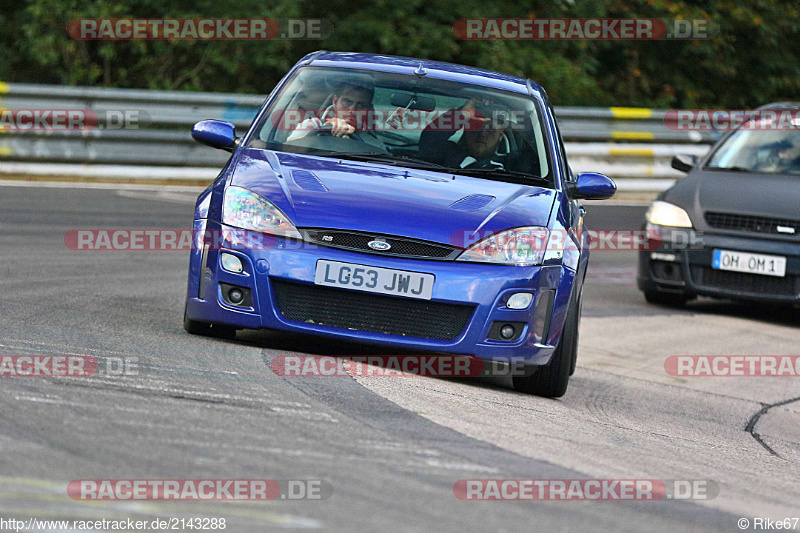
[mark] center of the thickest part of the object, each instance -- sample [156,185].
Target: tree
[751,59]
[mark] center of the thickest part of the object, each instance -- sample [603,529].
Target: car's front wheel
[207,329]
[551,381]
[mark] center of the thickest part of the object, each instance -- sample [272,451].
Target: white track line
[104,186]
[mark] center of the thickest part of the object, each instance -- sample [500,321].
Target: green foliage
[754,58]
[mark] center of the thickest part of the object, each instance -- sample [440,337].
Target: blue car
[399,202]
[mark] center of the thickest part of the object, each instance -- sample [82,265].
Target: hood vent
[473,202]
[308,181]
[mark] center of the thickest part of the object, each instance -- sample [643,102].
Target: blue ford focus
[399,202]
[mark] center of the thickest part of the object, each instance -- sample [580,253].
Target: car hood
[317,192]
[769,195]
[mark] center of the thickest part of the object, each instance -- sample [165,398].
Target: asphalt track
[391,448]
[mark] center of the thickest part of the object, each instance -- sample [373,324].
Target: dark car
[731,227]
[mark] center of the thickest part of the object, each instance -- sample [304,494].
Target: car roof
[435,69]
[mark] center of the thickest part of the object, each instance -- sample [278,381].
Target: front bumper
[685,268]
[484,288]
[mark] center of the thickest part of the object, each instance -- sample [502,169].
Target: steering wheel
[327,130]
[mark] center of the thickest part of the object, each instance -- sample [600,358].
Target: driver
[477,147]
[787,158]
[347,116]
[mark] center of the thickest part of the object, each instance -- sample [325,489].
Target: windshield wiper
[729,169]
[497,174]
[500,174]
[378,157]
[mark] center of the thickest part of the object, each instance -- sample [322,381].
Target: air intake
[472,202]
[308,181]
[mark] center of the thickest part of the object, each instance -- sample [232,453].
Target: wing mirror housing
[216,133]
[592,186]
[683,162]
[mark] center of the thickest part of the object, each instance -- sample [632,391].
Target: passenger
[477,147]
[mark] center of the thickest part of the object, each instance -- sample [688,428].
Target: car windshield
[408,120]
[758,148]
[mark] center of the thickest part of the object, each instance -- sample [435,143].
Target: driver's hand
[471,114]
[339,127]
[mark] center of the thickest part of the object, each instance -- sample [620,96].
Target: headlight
[518,246]
[666,214]
[248,210]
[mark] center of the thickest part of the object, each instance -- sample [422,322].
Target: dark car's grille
[753,224]
[399,246]
[748,283]
[341,308]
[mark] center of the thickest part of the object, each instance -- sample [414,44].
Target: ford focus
[398,202]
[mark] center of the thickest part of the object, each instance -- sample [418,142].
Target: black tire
[577,335]
[551,381]
[667,299]
[207,329]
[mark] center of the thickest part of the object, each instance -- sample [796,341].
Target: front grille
[747,283]
[399,246]
[750,223]
[341,308]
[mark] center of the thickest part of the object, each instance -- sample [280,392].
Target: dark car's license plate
[767,265]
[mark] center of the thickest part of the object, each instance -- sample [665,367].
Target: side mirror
[216,133]
[592,186]
[683,162]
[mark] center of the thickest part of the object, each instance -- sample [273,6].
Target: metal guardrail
[631,124]
[593,135]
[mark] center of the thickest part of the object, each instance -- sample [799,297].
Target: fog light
[520,300]
[508,331]
[231,263]
[236,296]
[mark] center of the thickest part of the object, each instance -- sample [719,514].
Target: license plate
[767,265]
[374,279]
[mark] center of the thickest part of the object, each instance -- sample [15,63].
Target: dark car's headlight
[519,246]
[666,214]
[245,209]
